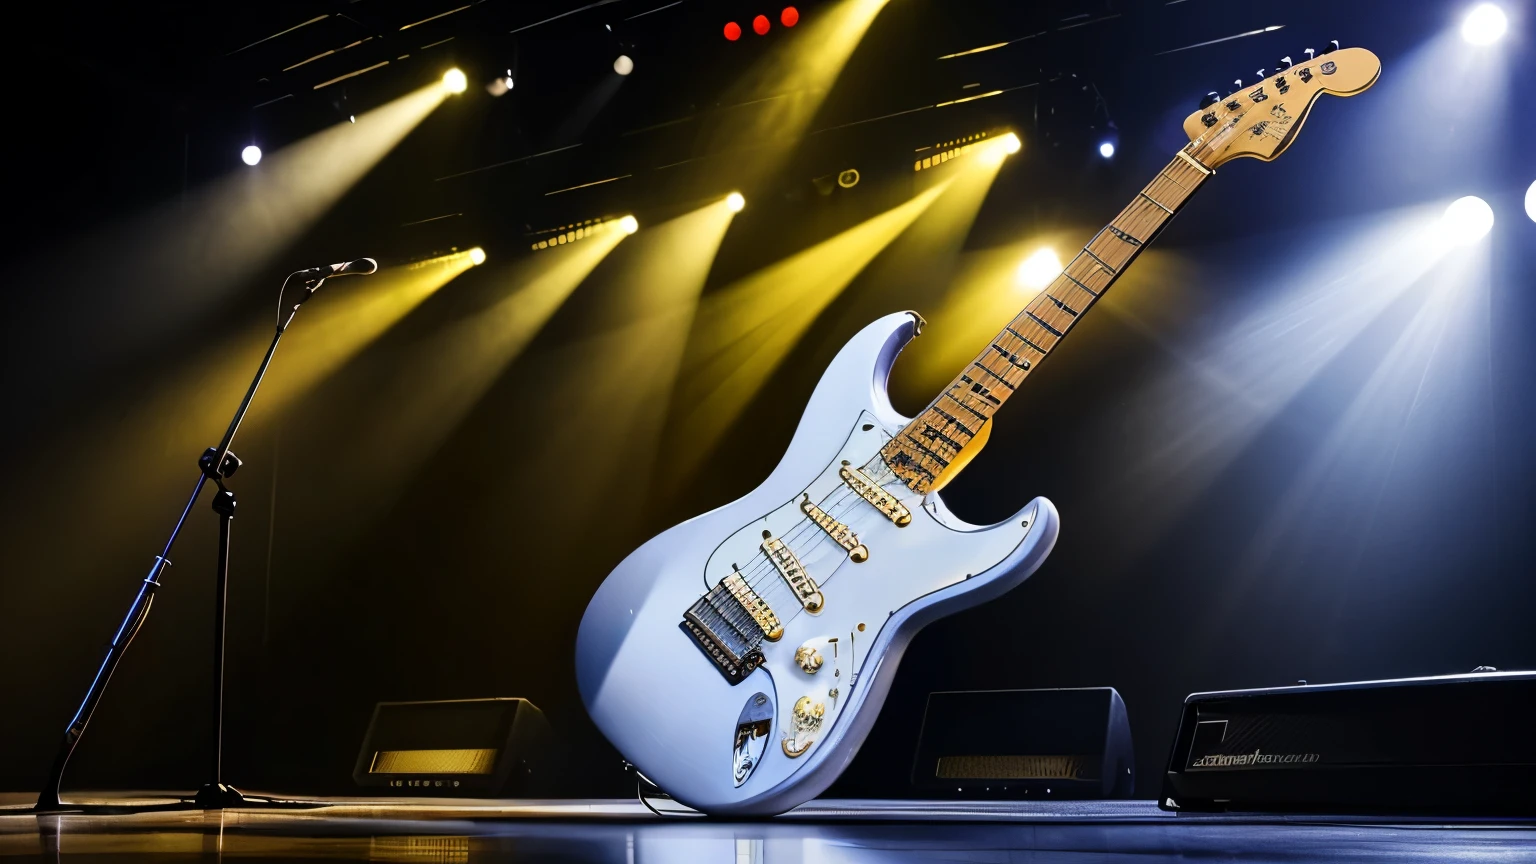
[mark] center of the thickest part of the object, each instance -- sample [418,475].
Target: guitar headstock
[1261,120]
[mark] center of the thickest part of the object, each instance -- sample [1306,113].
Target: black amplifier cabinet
[1451,744]
[463,747]
[1067,743]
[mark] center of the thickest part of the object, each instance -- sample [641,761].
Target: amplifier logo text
[1244,760]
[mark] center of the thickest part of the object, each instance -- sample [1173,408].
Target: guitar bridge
[729,630]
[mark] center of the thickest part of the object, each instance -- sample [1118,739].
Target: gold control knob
[808,714]
[808,659]
[805,722]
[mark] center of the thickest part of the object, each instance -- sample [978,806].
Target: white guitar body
[668,708]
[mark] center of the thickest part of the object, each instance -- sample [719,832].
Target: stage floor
[823,832]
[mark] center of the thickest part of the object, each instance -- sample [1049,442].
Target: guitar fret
[955,420]
[1112,271]
[1159,204]
[1079,284]
[1052,330]
[941,437]
[966,406]
[936,457]
[1062,306]
[981,390]
[984,368]
[1011,357]
[1022,338]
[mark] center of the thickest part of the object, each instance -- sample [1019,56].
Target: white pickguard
[664,705]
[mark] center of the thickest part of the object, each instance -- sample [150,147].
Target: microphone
[360,267]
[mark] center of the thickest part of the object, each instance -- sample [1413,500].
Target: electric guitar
[739,659]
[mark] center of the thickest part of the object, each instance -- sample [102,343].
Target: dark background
[1370,522]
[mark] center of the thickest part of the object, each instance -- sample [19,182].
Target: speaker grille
[1011,767]
[482,761]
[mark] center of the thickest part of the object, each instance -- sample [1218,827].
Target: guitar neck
[935,440]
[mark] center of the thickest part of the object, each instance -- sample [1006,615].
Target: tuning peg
[1237,85]
[1331,47]
[1311,53]
[1210,99]
[1261,73]
[1285,63]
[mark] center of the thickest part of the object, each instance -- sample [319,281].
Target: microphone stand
[216,464]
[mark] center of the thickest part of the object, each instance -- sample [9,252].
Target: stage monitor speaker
[465,747]
[1068,743]
[1442,745]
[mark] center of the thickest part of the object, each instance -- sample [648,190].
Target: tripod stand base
[219,796]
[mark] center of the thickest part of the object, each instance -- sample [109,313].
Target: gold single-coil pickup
[790,568]
[870,491]
[756,606]
[841,534]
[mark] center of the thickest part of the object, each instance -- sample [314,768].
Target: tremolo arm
[841,534]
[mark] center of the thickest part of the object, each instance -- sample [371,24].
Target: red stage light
[760,25]
[790,16]
[732,30]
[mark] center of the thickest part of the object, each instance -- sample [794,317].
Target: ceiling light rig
[623,65]
[578,231]
[250,155]
[734,202]
[948,151]
[454,81]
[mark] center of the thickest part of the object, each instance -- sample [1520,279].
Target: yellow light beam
[745,330]
[915,273]
[779,96]
[439,379]
[168,268]
[611,388]
[145,448]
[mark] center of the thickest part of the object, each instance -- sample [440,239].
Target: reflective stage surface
[823,832]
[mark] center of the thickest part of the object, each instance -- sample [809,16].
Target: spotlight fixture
[848,178]
[790,16]
[1039,269]
[623,65]
[501,85]
[732,31]
[1012,144]
[1530,201]
[251,154]
[477,256]
[1484,24]
[1107,149]
[454,81]
[578,231]
[760,25]
[734,202]
[947,151]
[1467,220]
